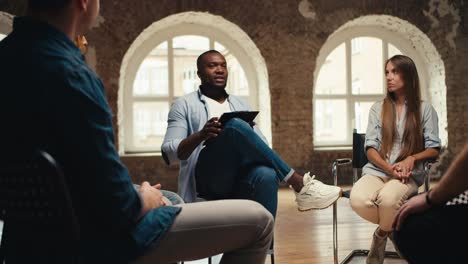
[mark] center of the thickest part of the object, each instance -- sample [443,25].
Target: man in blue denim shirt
[232,160]
[55,102]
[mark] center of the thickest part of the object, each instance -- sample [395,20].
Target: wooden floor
[307,237]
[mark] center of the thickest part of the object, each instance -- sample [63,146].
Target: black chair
[40,225]
[358,161]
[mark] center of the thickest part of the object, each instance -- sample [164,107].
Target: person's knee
[390,201]
[358,200]
[267,218]
[264,218]
[237,123]
[258,214]
[363,205]
[266,176]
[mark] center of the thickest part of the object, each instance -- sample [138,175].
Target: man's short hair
[48,6]
[199,59]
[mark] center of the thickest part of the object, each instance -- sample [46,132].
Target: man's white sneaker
[315,194]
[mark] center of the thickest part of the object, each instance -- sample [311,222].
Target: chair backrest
[359,152]
[36,207]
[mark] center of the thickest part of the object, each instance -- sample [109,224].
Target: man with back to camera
[235,161]
[55,102]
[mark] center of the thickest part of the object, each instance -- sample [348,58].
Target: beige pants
[241,229]
[377,200]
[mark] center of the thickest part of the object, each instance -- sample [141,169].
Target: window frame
[167,35]
[345,36]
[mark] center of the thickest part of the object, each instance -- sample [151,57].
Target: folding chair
[358,161]
[40,225]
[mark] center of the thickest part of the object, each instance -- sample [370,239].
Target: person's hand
[392,171]
[211,129]
[157,186]
[404,168]
[166,201]
[151,197]
[414,205]
[396,172]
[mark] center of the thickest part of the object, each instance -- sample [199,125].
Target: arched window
[163,68]
[349,81]
[349,78]
[168,72]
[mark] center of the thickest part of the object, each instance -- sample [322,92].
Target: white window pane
[392,51]
[2,36]
[149,124]
[152,76]
[186,51]
[367,66]
[220,47]
[362,115]
[237,81]
[191,42]
[357,45]
[330,122]
[332,75]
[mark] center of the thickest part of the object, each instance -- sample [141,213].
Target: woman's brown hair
[412,141]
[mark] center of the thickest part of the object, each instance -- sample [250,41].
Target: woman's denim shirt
[430,128]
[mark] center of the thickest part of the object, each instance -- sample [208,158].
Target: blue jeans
[238,164]
[171,196]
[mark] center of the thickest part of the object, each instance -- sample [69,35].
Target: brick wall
[289,43]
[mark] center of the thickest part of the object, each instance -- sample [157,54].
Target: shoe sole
[305,209]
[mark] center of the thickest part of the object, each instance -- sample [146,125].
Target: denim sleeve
[430,122]
[86,138]
[374,126]
[177,130]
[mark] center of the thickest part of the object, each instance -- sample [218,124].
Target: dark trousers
[239,165]
[437,235]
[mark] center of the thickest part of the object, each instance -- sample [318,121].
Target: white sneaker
[315,194]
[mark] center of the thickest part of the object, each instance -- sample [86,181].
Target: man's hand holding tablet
[247,116]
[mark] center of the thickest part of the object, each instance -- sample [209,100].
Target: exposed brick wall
[152,169]
[290,44]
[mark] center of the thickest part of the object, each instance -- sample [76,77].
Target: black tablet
[247,116]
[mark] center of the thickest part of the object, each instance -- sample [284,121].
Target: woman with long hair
[402,132]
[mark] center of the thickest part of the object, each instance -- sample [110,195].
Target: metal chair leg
[335,234]
[365,252]
[271,252]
